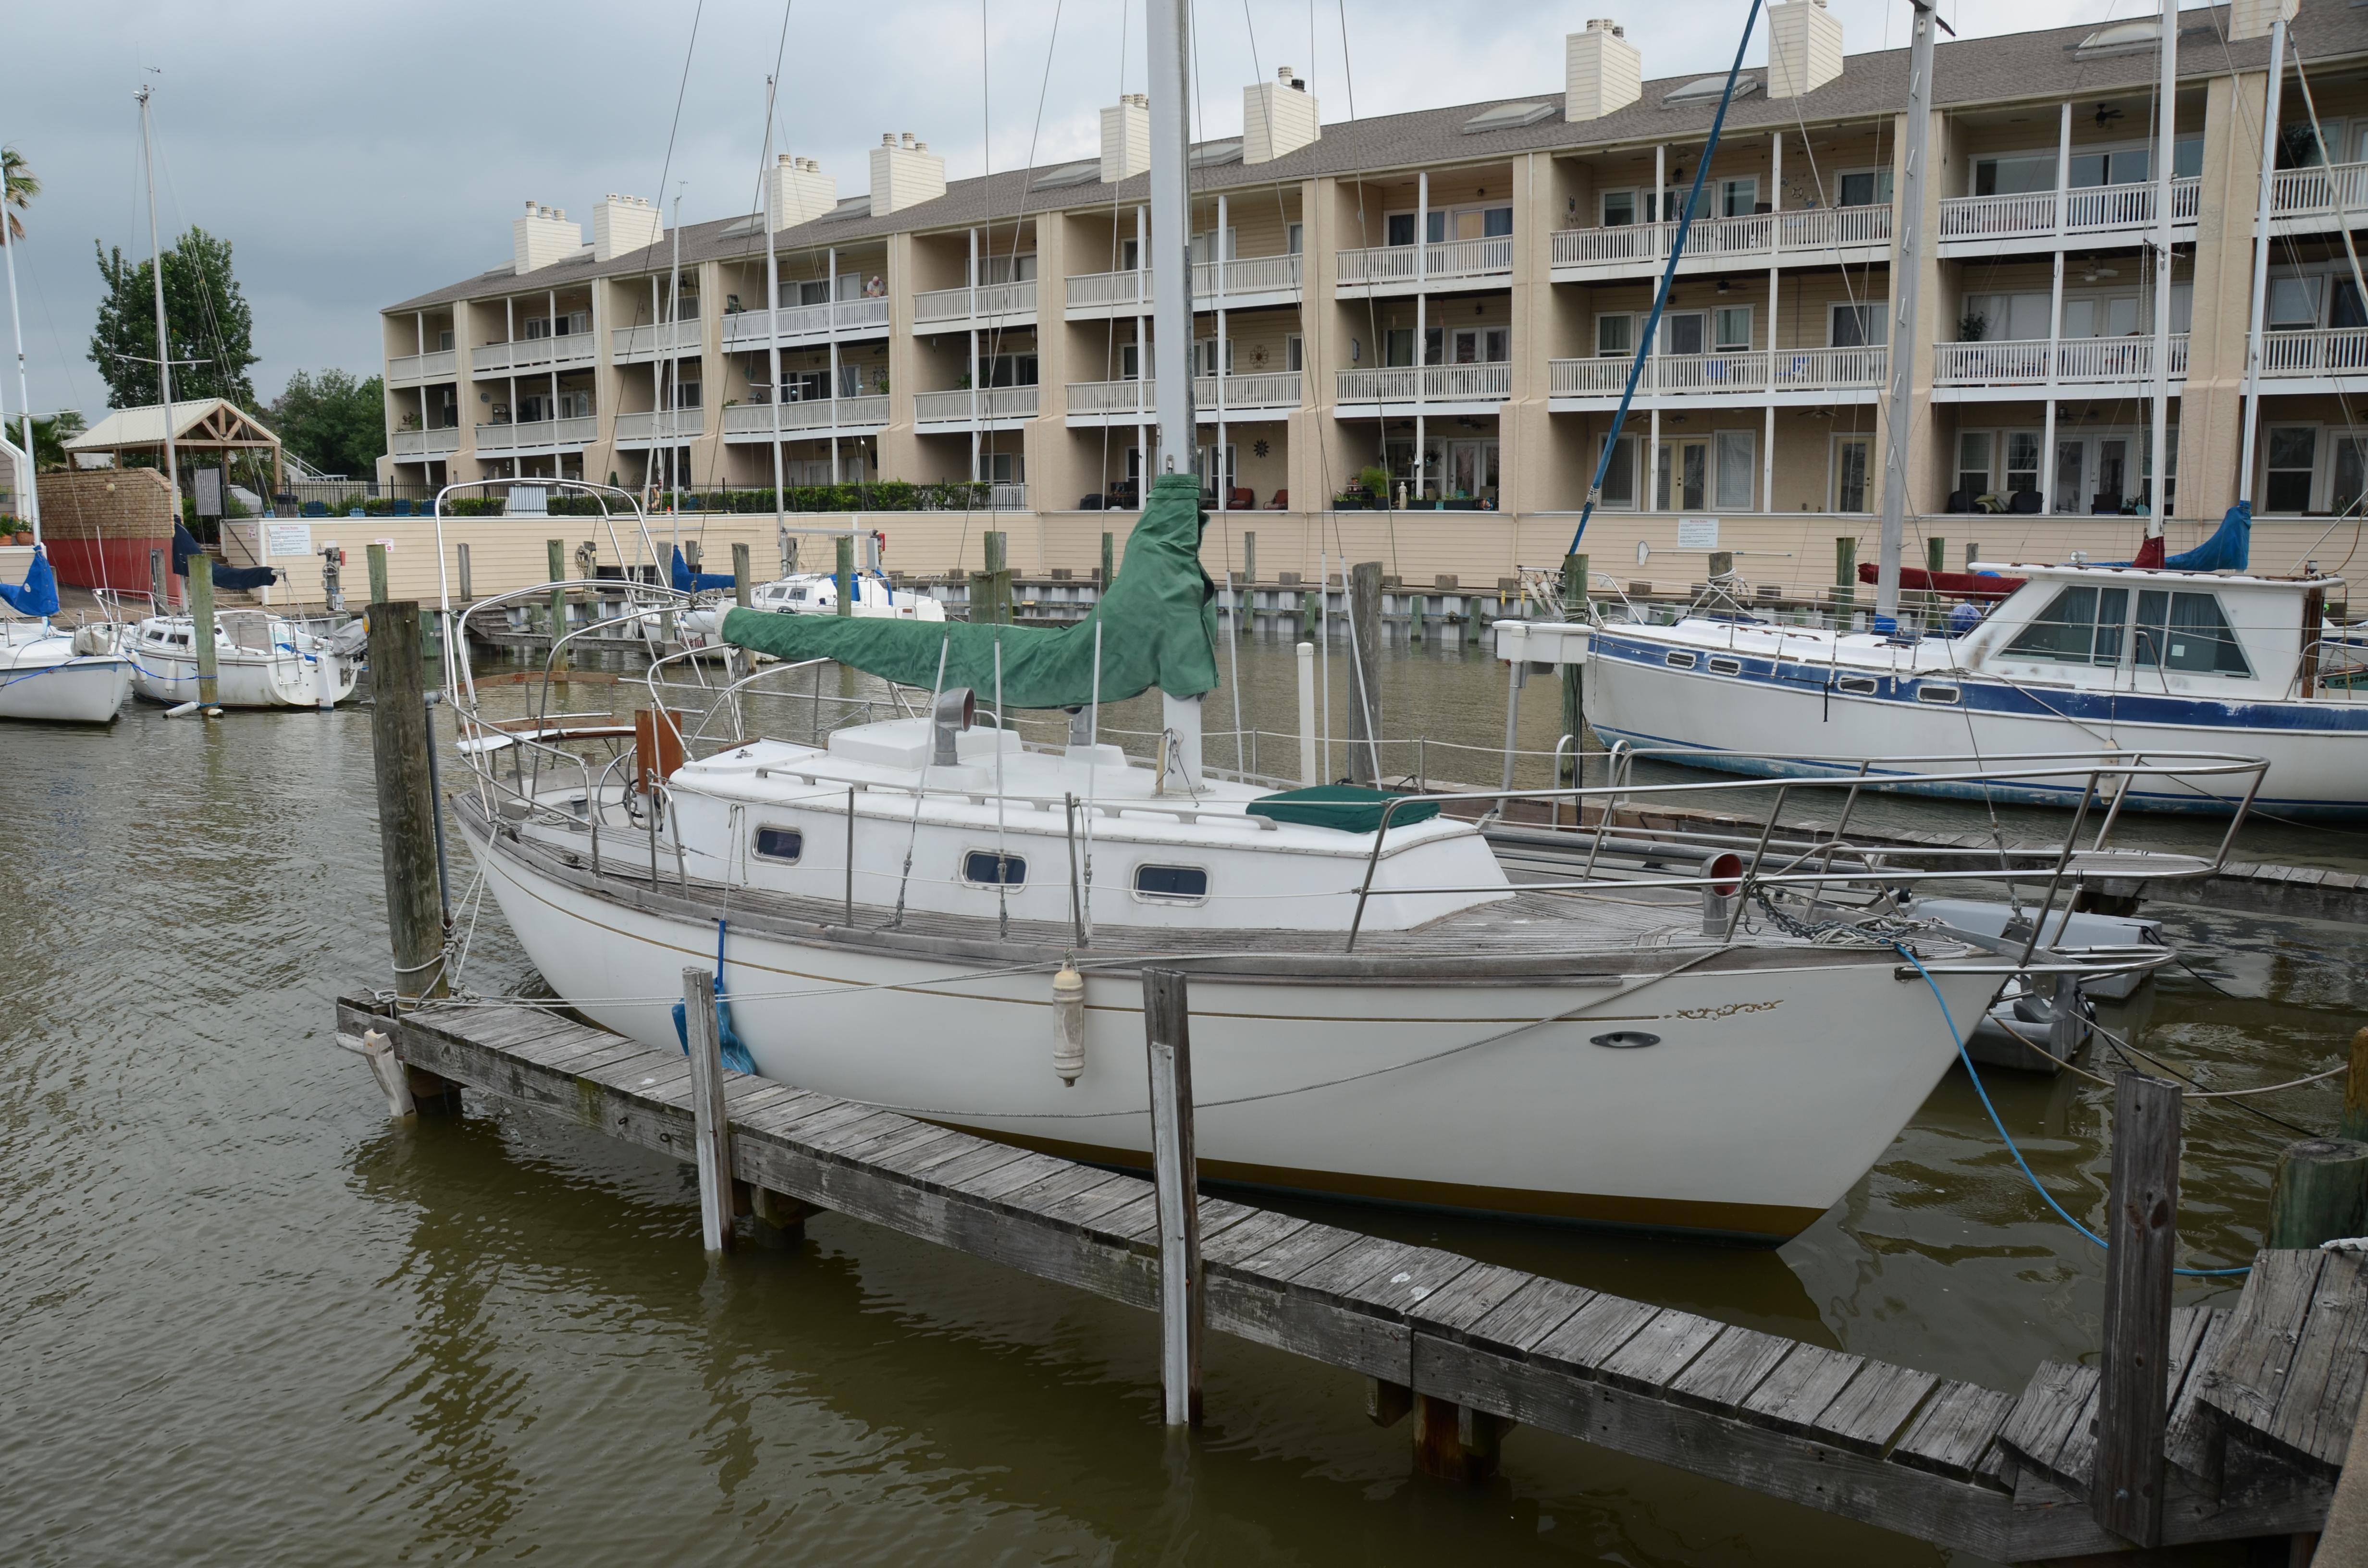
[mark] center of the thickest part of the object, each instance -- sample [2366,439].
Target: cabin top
[2154,576]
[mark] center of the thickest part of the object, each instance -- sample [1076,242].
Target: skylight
[1087,172]
[2122,37]
[1703,90]
[850,206]
[1512,117]
[1209,155]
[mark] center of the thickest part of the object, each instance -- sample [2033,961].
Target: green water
[247,1321]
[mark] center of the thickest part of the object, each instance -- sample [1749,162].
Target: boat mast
[1171,300]
[2261,256]
[773,316]
[156,273]
[24,397]
[1907,280]
[2165,93]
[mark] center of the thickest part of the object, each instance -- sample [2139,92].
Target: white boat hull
[243,680]
[1769,1093]
[42,679]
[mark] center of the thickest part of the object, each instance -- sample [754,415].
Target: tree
[50,435]
[210,324]
[332,421]
[21,186]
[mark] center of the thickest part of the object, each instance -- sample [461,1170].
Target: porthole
[1678,661]
[985,866]
[1857,686]
[1625,1039]
[1947,694]
[1171,884]
[780,843]
[1726,666]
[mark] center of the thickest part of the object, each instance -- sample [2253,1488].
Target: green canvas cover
[1350,807]
[1159,624]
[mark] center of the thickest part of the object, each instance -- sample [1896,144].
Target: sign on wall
[287,539]
[1697,533]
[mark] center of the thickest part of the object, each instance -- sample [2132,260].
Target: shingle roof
[2017,67]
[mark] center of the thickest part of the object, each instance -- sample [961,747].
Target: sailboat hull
[43,680]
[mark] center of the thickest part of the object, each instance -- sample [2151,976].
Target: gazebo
[203,425]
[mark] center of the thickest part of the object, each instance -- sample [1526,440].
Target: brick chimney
[1603,73]
[622,223]
[1805,48]
[1278,118]
[1126,137]
[541,236]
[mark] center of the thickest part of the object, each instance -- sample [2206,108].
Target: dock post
[1455,1442]
[156,575]
[2319,1193]
[992,585]
[711,1128]
[1249,556]
[2142,1240]
[1167,1029]
[845,573]
[468,587]
[1936,555]
[1307,767]
[407,800]
[1845,582]
[2354,1124]
[555,559]
[742,593]
[376,555]
[1365,672]
[1109,556]
[379,1052]
[1573,691]
[202,626]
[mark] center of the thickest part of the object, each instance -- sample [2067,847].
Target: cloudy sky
[355,154]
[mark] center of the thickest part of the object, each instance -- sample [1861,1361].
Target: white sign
[1697,533]
[287,539]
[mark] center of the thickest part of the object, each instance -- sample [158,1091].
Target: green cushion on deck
[1350,808]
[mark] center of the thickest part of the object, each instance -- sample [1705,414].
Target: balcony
[1821,236]
[2321,358]
[1436,389]
[813,417]
[410,444]
[801,325]
[571,352]
[2332,195]
[2014,369]
[1450,264]
[1250,283]
[1095,403]
[995,408]
[1978,225]
[635,344]
[1757,376]
[541,435]
[1002,304]
[660,427]
[411,370]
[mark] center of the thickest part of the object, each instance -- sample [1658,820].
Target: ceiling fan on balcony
[2106,115]
[2094,269]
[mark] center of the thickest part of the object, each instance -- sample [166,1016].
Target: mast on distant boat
[2159,488]
[2261,256]
[1171,295]
[24,397]
[163,343]
[1907,280]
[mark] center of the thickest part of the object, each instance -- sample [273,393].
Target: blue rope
[2008,1140]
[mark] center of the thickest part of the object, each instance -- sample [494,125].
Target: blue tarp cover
[2229,549]
[184,544]
[687,580]
[40,594]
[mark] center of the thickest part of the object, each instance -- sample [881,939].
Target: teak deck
[2262,1399]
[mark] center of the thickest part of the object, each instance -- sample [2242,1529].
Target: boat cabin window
[2187,633]
[987,866]
[1858,686]
[780,843]
[2083,626]
[1180,884]
[1944,694]
[1678,661]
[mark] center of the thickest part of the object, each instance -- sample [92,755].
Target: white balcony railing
[989,301]
[1244,275]
[1761,233]
[533,353]
[2078,361]
[1244,395]
[1748,371]
[2087,208]
[1431,383]
[956,407]
[1442,263]
[657,424]
[648,341]
[746,329]
[868,412]
[423,443]
[575,431]
[1008,496]
[2320,192]
[2316,351]
[437,365]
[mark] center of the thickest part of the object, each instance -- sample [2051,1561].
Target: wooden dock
[2262,1400]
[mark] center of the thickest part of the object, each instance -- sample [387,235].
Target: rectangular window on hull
[985,866]
[2186,633]
[780,843]
[2083,626]
[1182,884]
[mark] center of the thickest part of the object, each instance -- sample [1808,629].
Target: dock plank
[1796,1389]
[1723,1376]
[2316,1407]
[1954,1431]
[1529,1314]
[2248,1377]
[1873,1406]
[1653,1356]
[2056,1399]
[1464,1300]
[1589,1336]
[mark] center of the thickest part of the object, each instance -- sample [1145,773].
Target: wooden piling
[555,560]
[202,626]
[156,576]
[1249,556]
[2125,1495]
[1845,581]
[376,555]
[1936,554]
[1167,1029]
[1573,691]
[2320,1193]
[711,1128]
[780,1220]
[990,591]
[2354,1123]
[1722,566]
[1365,671]
[468,589]
[742,589]
[1109,556]
[845,573]
[407,800]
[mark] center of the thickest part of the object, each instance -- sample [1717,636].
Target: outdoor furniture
[316,508]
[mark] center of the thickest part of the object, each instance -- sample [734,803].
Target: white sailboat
[2137,657]
[261,660]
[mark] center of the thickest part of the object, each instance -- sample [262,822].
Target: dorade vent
[1087,172]
[1214,154]
[1506,117]
[1706,89]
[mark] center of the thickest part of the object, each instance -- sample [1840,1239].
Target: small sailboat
[262,660]
[46,671]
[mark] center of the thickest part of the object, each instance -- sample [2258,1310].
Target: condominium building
[1453,297]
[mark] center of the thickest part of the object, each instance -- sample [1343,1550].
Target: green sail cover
[1159,622]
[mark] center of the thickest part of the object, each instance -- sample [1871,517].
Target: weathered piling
[1573,691]
[1845,581]
[1167,1029]
[555,562]
[1365,671]
[742,589]
[990,590]
[710,1128]
[468,587]
[1109,554]
[406,799]
[202,626]
[1249,556]
[2355,1122]
[2125,1495]
[156,580]
[376,555]
[2320,1192]
[844,572]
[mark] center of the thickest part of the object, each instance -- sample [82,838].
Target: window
[1737,469]
[1008,369]
[1864,187]
[1171,884]
[1007,267]
[1204,356]
[1616,336]
[1857,686]
[1849,472]
[1481,345]
[987,868]
[1401,229]
[2186,633]
[814,292]
[1681,479]
[1682,332]
[1724,666]
[2290,462]
[1678,661]
[1619,209]
[2021,462]
[1731,328]
[1294,239]
[2083,626]
[1207,237]
[1974,463]
[1936,694]
[1134,364]
[780,843]
[1619,476]
[2350,476]
[1854,326]
[1738,198]
[444,339]
[1295,352]
[2017,174]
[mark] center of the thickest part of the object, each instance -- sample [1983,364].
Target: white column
[551,307]
[1421,333]
[1225,479]
[1775,248]
[2055,312]
[2261,260]
[973,281]
[1144,467]
[2157,507]
[830,311]
[1652,441]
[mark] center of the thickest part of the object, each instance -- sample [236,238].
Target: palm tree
[22,186]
